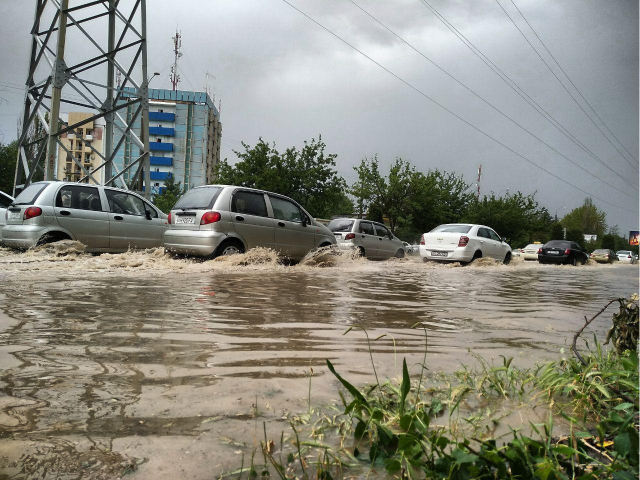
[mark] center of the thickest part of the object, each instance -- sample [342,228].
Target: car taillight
[210,217]
[539,250]
[32,212]
[629,256]
[350,236]
[169,218]
[422,240]
[567,251]
[521,251]
[463,242]
[591,255]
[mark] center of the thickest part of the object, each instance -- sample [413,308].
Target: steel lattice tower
[73,62]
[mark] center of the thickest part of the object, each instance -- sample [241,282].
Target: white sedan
[626,256]
[463,242]
[530,252]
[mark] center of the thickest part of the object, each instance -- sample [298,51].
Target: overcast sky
[282,77]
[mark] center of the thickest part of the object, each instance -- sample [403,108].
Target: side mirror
[390,236]
[305,221]
[504,239]
[147,214]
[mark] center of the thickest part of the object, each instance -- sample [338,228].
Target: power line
[517,89]
[486,101]
[420,92]
[563,85]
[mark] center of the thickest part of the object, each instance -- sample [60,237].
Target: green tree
[517,217]
[557,232]
[8,158]
[609,242]
[170,194]
[586,218]
[307,175]
[576,235]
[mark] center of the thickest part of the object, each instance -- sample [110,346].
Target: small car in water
[530,252]
[371,239]
[104,219]
[626,256]
[5,201]
[215,220]
[464,243]
[603,255]
[562,252]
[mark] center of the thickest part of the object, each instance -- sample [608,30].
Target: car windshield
[198,199]
[340,225]
[558,243]
[452,229]
[30,194]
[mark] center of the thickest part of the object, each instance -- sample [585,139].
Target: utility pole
[478,181]
[59,76]
[177,45]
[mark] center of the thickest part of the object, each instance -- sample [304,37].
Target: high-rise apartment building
[184,138]
[79,145]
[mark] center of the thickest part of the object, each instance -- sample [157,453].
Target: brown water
[173,365]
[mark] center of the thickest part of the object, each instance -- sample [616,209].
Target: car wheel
[400,253]
[507,259]
[228,247]
[361,251]
[476,255]
[574,261]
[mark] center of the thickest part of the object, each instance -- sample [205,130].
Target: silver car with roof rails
[104,219]
[371,239]
[215,220]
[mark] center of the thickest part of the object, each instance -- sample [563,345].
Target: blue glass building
[184,138]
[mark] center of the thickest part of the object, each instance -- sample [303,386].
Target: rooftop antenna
[478,181]
[207,88]
[177,45]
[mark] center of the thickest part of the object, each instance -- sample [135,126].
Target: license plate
[14,214]
[185,219]
[439,254]
[553,253]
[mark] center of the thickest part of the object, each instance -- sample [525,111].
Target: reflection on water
[154,357]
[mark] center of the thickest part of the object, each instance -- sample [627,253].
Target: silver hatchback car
[104,219]
[372,239]
[218,220]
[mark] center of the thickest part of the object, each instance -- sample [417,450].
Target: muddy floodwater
[167,368]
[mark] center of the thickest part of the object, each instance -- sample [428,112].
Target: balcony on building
[88,137]
[160,175]
[162,117]
[162,161]
[161,147]
[167,131]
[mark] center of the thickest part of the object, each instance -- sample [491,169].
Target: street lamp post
[558,209]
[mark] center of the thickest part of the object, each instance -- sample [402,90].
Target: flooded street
[171,366]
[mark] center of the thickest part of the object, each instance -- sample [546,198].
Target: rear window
[198,199]
[600,250]
[624,252]
[452,229]
[533,245]
[558,243]
[340,225]
[30,194]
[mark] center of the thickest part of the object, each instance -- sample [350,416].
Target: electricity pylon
[73,61]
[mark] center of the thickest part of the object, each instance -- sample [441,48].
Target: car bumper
[21,236]
[455,255]
[627,260]
[192,242]
[602,259]
[554,258]
[529,256]
[345,245]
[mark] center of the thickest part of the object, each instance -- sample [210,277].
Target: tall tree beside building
[586,218]
[8,157]
[171,193]
[308,175]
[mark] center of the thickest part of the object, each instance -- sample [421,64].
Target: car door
[486,244]
[499,248]
[368,239]
[251,218]
[129,224]
[79,210]
[386,247]
[293,234]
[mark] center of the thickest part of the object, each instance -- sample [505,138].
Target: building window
[157,169]
[157,184]
[159,140]
[160,110]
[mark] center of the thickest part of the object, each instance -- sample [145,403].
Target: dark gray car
[104,219]
[218,220]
